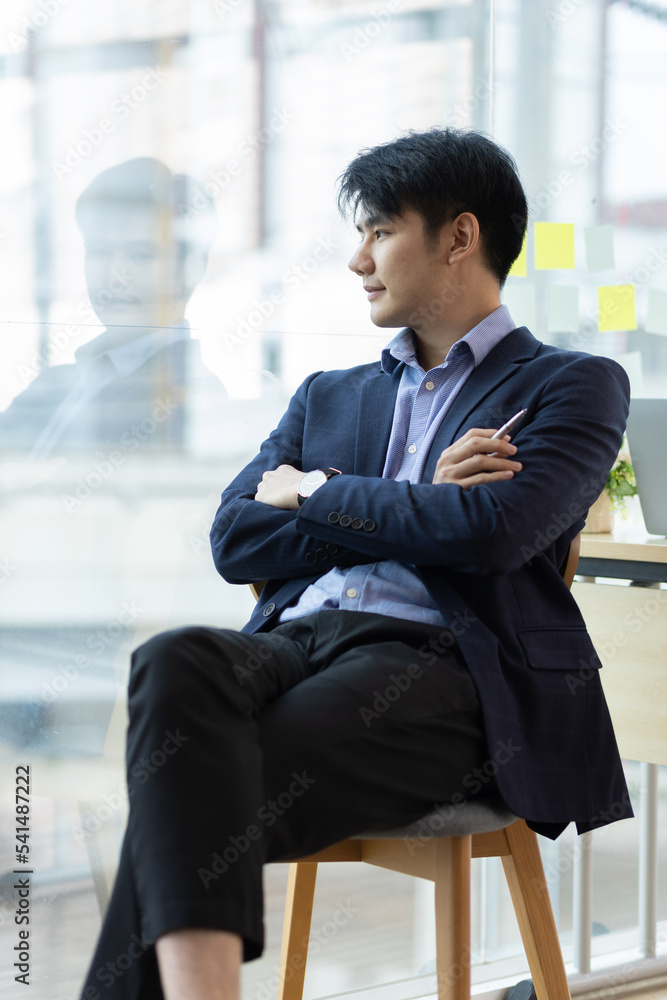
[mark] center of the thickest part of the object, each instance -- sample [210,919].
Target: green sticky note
[632,362]
[563,310]
[518,268]
[520,300]
[617,308]
[656,312]
[554,245]
[599,248]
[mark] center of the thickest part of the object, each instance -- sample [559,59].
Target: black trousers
[244,749]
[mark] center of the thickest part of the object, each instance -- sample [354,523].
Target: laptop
[647,440]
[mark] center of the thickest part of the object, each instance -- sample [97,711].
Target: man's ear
[463,237]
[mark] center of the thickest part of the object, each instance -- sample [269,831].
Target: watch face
[310,482]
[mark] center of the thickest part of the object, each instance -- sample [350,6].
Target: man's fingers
[480,462]
[479,468]
[488,445]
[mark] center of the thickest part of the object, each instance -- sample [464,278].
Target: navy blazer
[490,555]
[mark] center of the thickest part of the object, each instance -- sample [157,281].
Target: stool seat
[483,816]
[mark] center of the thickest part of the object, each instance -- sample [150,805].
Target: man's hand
[469,462]
[279,488]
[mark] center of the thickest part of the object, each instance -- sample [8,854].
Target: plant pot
[600,516]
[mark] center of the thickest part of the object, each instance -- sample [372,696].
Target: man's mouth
[372,291]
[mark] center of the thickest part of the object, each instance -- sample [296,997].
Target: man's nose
[361,262]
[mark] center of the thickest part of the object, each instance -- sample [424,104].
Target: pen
[510,423]
[504,429]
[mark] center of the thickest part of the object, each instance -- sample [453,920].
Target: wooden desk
[627,553]
[628,626]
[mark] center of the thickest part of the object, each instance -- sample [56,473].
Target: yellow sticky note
[518,268]
[554,245]
[617,307]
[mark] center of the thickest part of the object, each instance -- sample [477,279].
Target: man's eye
[380,232]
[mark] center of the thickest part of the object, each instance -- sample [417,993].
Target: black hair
[439,174]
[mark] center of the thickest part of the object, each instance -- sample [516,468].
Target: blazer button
[332,548]
[345,521]
[357,523]
[269,609]
[369,524]
[334,517]
[320,553]
[311,557]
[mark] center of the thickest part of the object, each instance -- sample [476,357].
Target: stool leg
[452,917]
[296,929]
[530,896]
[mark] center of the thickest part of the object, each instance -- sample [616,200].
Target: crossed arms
[472,517]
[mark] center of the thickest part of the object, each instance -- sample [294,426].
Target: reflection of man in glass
[145,251]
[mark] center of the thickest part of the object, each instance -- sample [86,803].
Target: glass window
[173,266]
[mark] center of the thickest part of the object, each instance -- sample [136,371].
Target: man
[414,624]
[142,378]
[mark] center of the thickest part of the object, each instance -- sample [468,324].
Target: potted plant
[620,485]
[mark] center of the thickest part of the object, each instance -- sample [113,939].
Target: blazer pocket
[558,648]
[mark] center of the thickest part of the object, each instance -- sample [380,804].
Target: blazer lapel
[376,414]
[497,367]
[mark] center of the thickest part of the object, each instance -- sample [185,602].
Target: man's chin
[386,320]
[137,318]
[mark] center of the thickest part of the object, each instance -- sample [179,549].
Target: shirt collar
[480,341]
[128,357]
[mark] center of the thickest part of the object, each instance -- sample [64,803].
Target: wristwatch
[312,481]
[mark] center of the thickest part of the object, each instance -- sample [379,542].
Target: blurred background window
[172,267]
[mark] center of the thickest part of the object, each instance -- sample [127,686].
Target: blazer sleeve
[252,541]
[567,443]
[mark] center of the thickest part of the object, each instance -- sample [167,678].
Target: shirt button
[311,557]
[412,449]
[269,609]
[430,386]
[357,523]
[332,548]
[351,592]
[320,553]
[369,524]
[334,517]
[345,521]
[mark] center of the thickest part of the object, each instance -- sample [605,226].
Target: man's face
[132,270]
[402,276]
